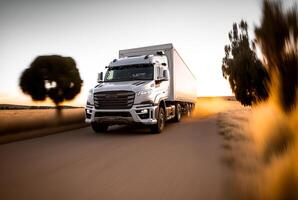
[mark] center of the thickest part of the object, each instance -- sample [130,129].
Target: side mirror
[100,77]
[165,75]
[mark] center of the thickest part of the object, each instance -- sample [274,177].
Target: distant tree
[51,76]
[277,36]
[245,72]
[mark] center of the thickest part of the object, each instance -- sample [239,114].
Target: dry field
[23,120]
[260,146]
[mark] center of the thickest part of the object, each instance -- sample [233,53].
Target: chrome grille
[114,100]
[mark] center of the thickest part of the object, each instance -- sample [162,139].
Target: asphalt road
[184,162]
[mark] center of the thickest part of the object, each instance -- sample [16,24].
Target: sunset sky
[92,32]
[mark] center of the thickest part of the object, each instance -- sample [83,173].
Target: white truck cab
[138,88]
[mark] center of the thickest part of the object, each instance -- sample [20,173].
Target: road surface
[184,162]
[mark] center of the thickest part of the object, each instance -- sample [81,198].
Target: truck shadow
[127,130]
[141,130]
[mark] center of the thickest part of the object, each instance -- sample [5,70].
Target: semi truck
[148,85]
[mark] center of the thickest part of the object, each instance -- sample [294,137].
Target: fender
[161,103]
[160,97]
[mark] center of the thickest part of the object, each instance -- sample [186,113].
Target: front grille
[114,100]
[112,114]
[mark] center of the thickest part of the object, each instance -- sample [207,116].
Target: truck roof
[131,61]
[140,51]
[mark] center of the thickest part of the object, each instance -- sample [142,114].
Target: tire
[188,110]
[177,117]
[99,128]
[159,126]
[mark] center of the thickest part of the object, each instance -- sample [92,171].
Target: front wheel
[161,119]
[99,128]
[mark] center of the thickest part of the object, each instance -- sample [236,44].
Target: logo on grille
[110,96]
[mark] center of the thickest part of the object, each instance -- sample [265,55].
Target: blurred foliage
[245,72]
[51,76]
[277,36]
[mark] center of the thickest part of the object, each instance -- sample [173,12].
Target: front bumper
[144,114]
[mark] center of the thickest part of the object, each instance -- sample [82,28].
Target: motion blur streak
[274,123]
[207,106]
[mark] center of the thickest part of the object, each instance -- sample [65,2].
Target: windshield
[129,73]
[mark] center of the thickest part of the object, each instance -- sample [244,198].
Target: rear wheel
[177,117]
[161,119]
[192,107]
[188,110]
[99,128]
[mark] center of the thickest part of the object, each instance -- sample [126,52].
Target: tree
[52,76]
[245,72]
[277,36]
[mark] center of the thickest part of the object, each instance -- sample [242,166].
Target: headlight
[90,100]
[144,92]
